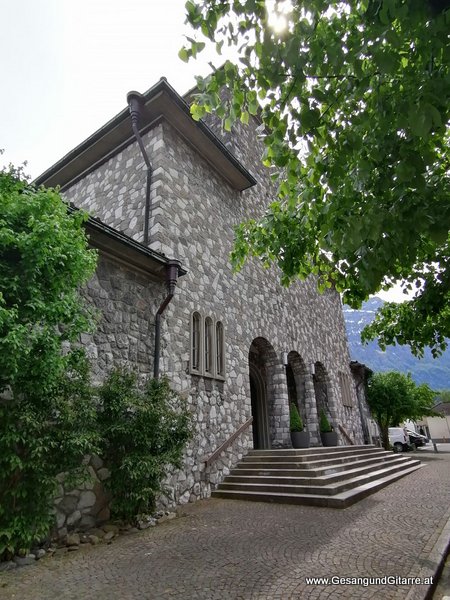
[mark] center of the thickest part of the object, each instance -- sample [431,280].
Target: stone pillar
[335,408]
[312,418]
[279,407]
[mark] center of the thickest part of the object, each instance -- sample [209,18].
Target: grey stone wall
[125,303]
[115,192]
[251,304]
[193,215]
[87,504]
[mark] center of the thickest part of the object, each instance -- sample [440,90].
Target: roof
[121,248]
[160,102]
[443,408]
[356,366]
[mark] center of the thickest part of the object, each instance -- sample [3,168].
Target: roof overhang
[360,370]
[123,249]
[160,102]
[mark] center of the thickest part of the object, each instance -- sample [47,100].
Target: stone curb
[436,561]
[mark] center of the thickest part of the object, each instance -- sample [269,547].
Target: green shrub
[45,409]
[143,433]
[324,424]
[42,435]
[296,423]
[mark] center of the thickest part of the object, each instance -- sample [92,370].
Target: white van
[399,439]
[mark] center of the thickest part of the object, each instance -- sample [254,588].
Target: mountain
[434,371]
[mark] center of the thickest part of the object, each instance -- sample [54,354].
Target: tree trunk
[385,436]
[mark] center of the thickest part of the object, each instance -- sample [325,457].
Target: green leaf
[183,54]
[227,124]
[420,123]
[244,117]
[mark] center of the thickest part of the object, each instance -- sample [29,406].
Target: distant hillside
[435,372]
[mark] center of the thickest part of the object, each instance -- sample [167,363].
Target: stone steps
[305,470]
[313,477]
[306,454]
[343,476]
[313,460]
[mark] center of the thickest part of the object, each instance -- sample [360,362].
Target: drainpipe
[134,100]
[171,279]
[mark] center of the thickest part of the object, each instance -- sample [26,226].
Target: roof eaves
[116,134]
[120,246]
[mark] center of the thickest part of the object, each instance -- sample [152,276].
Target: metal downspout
[134,100]
[171,278]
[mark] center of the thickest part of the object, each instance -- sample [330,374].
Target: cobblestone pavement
[234,550]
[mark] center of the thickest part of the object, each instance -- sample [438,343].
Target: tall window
[346,390]
[195,343]
[220,370]
[208,346]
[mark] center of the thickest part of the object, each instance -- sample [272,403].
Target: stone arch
[267,400]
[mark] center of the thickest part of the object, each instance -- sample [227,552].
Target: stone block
[103,474]
[60,519]
[72,539]
[87,499]
[74,518]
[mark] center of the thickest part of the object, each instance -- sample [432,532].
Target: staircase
[334,477]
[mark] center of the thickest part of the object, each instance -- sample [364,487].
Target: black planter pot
[300,439]
[329,438]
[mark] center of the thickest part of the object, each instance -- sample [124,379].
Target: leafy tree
[394,397]
[143,433]
[442,396]
[45,408]
[354,97]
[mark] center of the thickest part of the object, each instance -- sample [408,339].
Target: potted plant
[299,437]
[327,434]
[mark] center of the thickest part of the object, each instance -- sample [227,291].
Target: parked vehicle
[399,439]
[417,438]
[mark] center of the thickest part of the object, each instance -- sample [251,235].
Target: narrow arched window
[220,363]
[195,342]
[208,345]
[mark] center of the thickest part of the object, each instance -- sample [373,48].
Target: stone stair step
[335,477]
[327,488]
[299,456]
[329,464]
[340,500]
[312,450]
[319,477]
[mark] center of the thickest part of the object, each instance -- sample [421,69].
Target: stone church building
[164,193]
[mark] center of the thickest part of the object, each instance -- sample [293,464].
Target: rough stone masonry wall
[193,215]
[85,505]
[251,304]
[115,192]
[126,303]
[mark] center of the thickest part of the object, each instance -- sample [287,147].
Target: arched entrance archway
[263,368]
[258,393]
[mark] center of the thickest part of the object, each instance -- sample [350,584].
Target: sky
[66,68]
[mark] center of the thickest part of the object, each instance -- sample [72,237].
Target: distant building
[437,428]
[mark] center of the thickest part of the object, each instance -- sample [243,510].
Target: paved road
[234,550]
